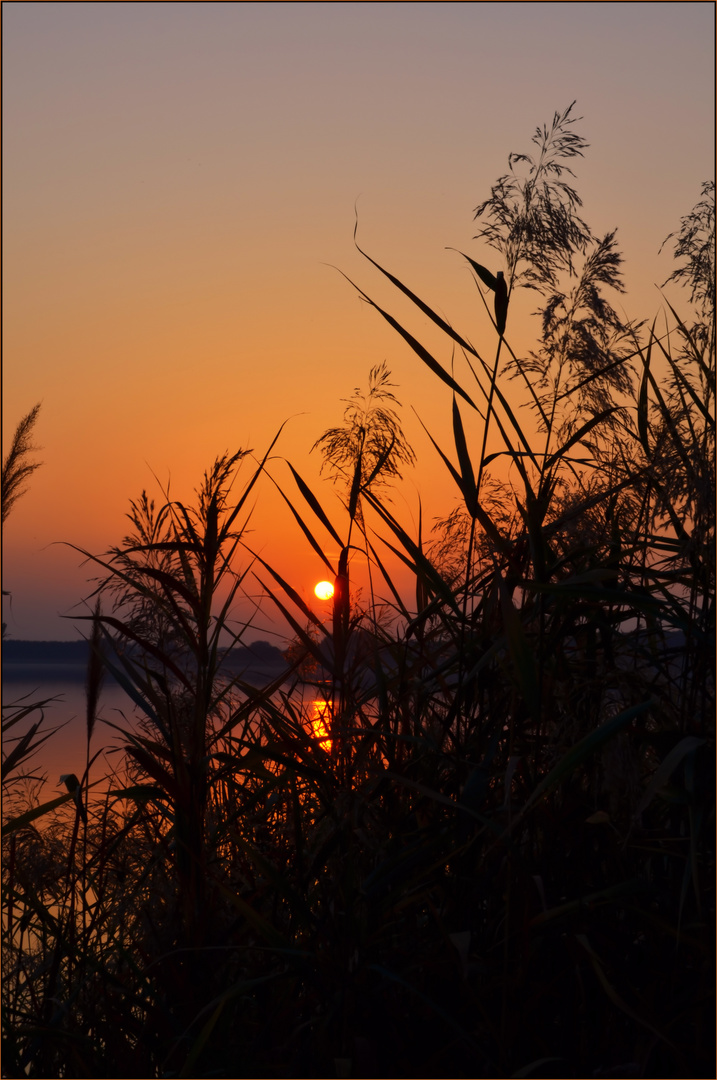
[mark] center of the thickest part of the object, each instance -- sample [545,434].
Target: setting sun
[324,590]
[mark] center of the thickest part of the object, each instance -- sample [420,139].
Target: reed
[17,466]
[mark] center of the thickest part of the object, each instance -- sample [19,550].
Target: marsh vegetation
[502,863]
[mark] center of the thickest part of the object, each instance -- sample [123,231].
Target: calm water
[65,750]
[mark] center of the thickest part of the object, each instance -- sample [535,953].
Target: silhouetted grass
[502,864]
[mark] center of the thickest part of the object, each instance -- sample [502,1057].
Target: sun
[324,590]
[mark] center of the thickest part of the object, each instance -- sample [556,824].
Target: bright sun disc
[324,590]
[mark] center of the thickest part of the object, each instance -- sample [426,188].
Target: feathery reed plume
[369,448]
[531,218]
[695,242]
[16,468]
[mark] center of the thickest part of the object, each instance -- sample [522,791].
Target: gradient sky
[179,184]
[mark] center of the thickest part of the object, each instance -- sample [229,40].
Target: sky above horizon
[180,187]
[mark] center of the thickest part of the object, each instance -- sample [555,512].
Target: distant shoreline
[66,661]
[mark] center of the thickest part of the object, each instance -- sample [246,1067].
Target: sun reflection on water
[320,723]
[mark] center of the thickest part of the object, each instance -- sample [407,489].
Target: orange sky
[179,185]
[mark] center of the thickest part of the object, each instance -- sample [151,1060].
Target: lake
[65,750]
[65,715]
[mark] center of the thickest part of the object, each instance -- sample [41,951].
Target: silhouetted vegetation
[502,863]
[17,467]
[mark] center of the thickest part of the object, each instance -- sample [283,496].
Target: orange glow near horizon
[174,243]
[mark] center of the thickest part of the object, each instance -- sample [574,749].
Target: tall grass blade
[419,349]
[315,505]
